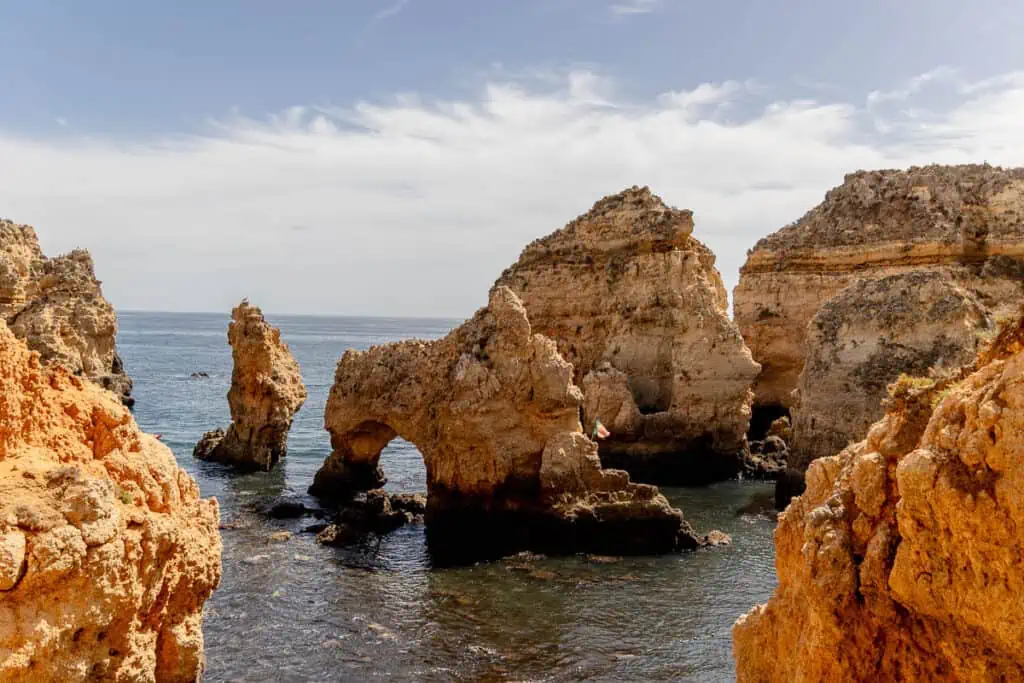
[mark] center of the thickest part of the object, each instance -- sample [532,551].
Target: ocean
[294,611]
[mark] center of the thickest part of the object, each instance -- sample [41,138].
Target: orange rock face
[901,561]
[266,392]
[57,307]
[494,411]
[107,553]
[636,304]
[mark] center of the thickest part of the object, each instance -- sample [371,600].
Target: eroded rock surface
[107,553]
[635,303]
[493,409]
[901,561]
[56,305]
[965,221]
[266,392]
[865,338]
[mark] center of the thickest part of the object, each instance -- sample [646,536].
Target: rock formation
[635,303]
[962,220]
[493,410]
[57,307]
[266,392]
[901,561]
[864,338]
[107,554]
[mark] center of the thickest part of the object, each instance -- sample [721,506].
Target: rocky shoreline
[872,368]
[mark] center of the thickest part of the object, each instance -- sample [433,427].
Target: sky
[392,157]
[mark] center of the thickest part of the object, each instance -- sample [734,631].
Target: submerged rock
[56,305]
[266,392]
[635,303]
[901,561]
[493,410]
[107,553]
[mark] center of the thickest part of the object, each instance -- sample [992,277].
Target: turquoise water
[295,611]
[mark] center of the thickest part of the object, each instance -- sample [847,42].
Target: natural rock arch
[494,412]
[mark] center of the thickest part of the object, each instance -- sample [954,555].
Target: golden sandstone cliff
[902,560]
[57,307]
[635,303]
[107,554]
[808,309]
[493,409]
[266,392]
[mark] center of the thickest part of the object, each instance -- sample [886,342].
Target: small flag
[599,430]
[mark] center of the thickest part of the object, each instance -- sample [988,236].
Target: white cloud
[635,6]
[391,10]
[414,206]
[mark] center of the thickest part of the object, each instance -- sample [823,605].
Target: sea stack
[266,392]
[895,272]
[56,305]
[493,409]
[107,553]
[901,561]
[635,303]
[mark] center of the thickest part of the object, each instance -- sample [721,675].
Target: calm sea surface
[295,611]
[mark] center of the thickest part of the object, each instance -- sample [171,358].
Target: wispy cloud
[391,10]
[415,205]
[635,6]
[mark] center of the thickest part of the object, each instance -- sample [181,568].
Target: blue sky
[392,157]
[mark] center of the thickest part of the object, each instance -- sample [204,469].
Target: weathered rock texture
[967,221]
[493,410]
[635,303]
[866,337]
[266,392]
[901,561]
[57,307]
[107,554]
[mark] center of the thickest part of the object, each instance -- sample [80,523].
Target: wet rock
[414,503]
[315,528]
[716,538]
[198,375]
[789,485]
[279,536]
[288,509]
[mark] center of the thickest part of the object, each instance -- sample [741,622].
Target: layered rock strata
[962,220]
[901,561]
[864,338]
[107,553]
[56,305]
[266,392]
[493,409]
[635,303]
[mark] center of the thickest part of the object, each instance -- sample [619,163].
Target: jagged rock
[493,410]
[416,503]
[635,303]
[901,561]
[782,428]
[266,392]
[961,220]
[865,338]
[56,305]
[107,553]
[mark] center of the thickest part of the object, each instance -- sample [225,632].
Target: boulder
[266,392]
[901,560]
[107,553]
[493,409]
[56,305]
[635,303]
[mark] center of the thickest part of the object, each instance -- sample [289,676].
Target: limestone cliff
[962,220]
[57,307]
[635,303]
[493,409]
[266,392]
[901,561]
[107,554]
[864,338]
